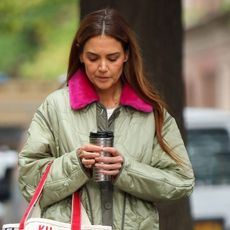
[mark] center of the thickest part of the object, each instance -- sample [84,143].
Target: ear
[81,58]
[126,56]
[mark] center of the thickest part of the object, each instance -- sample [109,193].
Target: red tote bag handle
[76,204]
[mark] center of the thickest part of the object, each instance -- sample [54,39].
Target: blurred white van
[208,144]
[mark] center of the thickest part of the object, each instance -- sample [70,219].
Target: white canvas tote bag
[78,222]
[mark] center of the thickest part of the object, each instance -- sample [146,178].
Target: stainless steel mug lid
[101,134]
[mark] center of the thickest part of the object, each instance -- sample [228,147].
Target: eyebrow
[110,54]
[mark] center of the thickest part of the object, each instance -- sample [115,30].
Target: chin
[103,88]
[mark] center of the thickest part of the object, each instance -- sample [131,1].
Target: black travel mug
[103,139]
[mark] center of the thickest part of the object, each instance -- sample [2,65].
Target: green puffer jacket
[148,174]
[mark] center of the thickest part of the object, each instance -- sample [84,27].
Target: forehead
[103,44]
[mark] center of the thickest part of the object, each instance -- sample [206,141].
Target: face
[103,58]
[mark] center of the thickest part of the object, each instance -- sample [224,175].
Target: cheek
[90,68]
[118,67]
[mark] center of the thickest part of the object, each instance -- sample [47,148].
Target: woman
[106,90]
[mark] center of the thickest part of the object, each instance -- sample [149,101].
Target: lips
[102,78]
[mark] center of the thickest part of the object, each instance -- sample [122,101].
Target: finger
[88,166]
[110,172]
[109,160]
[92,148]
[88,163]
[113,151]
[87,155]
[108,167]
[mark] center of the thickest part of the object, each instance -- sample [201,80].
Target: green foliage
[225,6]
[195,13]
[36,36]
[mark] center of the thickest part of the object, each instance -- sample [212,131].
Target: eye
[92,57]
[113,57]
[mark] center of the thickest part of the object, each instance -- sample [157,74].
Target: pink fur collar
[82,93]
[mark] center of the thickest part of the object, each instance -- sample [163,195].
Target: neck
[110,98]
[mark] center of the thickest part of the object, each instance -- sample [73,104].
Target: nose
[103,66]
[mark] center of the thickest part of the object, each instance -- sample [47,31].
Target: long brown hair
[109,22]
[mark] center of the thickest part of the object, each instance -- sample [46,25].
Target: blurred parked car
[11,201]
[11,136]
[208,143]
[8,162]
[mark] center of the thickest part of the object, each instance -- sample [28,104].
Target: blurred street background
[35,39]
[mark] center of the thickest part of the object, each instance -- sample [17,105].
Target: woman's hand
[90,156]
[88,153]
[110,165]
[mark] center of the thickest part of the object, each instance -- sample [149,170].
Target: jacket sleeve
[66,174]
[163,178]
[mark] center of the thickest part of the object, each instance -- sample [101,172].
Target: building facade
[207,63]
